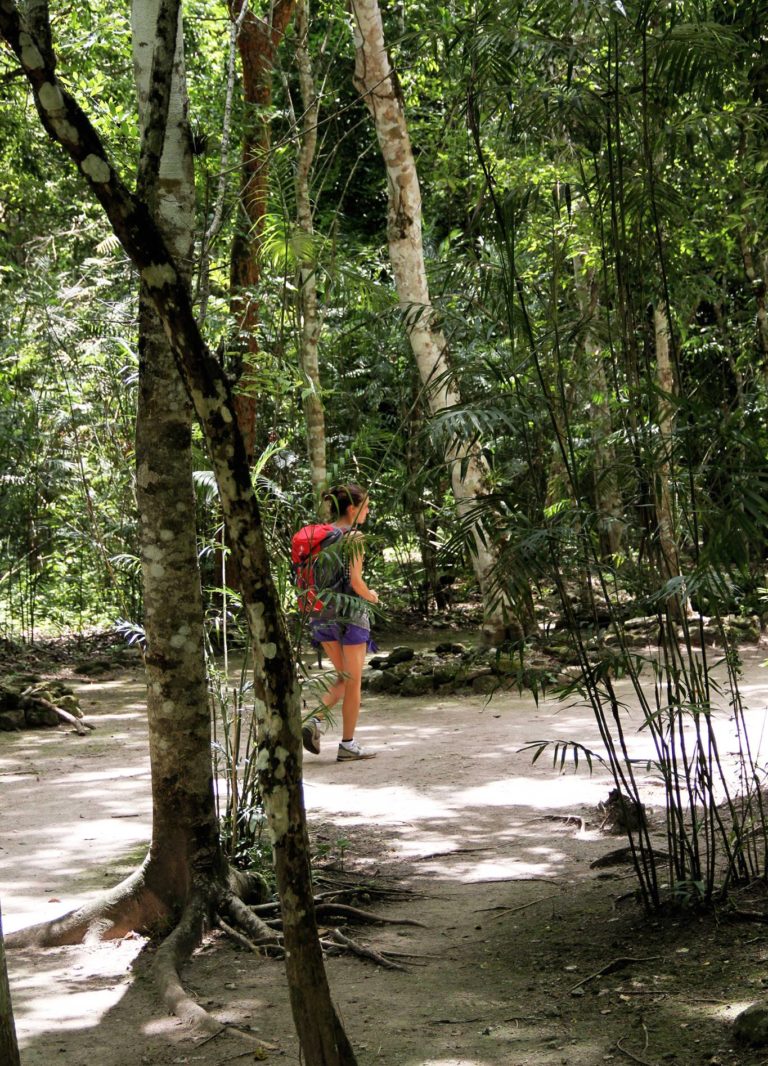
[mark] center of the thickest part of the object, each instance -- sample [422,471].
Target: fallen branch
[612,967]
[80,725]
[746,916]
[625,855]
[447,854]
[524,906]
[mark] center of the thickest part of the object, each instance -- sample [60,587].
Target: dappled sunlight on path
[79,804]
[492,845]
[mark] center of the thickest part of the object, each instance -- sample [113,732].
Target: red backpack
[313,572]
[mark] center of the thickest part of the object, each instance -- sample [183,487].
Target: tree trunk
[309,312]
[184,828]
[277,702]
[606,487]
[377,83]
[667,553]
[9,1049]
[257,42]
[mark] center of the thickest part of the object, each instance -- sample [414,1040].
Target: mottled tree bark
[185,841]
[377,83]
[277,702]
[9,1048]
[310,320]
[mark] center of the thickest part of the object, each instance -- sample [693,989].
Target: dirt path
[514,918]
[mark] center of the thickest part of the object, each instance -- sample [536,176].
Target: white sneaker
[311,732]
[352,750]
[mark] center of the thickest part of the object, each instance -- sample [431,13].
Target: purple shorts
[341,633]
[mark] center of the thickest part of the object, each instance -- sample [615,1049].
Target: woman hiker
[343,627]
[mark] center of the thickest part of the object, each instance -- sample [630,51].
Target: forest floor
[526,954]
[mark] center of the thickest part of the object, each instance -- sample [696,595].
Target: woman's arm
[356,580]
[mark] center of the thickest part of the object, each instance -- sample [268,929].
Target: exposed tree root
[239,938]
[341,910]
[344,911]
[133,906]
[128,907]
[258,931]
[172,953]
[336,937]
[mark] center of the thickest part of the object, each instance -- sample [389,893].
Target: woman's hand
[372,597]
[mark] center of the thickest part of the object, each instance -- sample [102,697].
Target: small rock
[400,655]
[40,716]
[11,720]
[416,685]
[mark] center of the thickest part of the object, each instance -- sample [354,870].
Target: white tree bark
[377,83]
[309,309]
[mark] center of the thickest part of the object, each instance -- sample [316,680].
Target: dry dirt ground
[512,965]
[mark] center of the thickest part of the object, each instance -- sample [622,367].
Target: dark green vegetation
[594,193]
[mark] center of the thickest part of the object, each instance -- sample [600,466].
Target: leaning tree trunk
[377,83]
[277,702]
[9,1048]
[309,310]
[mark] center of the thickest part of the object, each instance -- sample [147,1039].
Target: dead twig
[524,906]
[631,1055]
[567,819]
[447,854]
[612,967]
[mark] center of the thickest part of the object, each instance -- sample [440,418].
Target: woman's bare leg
[333,694]
[353,656]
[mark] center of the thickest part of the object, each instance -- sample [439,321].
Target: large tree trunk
[277,703]
[184,828]
[309,312]
[9,1048]
[257,42]
[377,83]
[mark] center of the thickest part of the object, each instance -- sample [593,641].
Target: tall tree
[310,320]
[470,475]
[322,1037]
[258,41]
